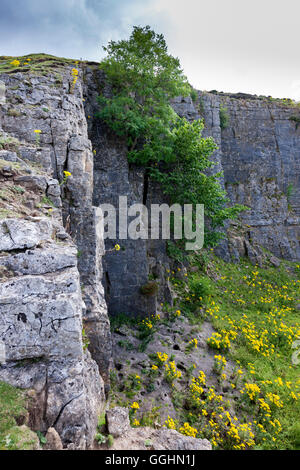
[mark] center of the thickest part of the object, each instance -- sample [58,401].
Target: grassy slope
[254,312]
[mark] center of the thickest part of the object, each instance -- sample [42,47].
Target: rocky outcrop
[258,152]
[114,177]
[158,439]
[41,324]
[55,282]
[43,318]
[145,438]
[48,103]
[261,163]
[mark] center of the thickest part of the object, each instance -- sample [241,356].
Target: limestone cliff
[259,154]
[43,315]
[54,326]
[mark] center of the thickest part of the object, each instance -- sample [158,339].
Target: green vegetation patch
[249,397]
[255,314]
[12,412]
[34,63]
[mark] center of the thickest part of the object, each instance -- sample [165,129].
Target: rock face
[47,105]
[261,163]
[259,153]
[158,439]
[118,422]
[53,440]
[113,178]
[55,282]
[2,93]
[41,328]
[144,438]
[42,312]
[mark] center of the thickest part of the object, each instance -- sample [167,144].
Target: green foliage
[41,437]
[101,421]
[110,440]
[224,118]
[296,119]
[201,287]
[293,435]
[151,417]
[85,340]
[144,77]
[185,181]
[9,143]
[256,309]
[194,95]
[12,407]
[174,251]
[47,201]
[38,64]
[126,345]
[289,191]
[18,189]
[117,321]
[100,438]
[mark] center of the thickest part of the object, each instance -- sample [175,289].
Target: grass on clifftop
[34,63]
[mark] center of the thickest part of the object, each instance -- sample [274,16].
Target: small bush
[194,95]
[201,287]
[110,440]
[100,438]
[296,119]
[224,117]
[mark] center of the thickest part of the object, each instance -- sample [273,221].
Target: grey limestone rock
[2,93]
[53,440]
[118,423]
[19,234]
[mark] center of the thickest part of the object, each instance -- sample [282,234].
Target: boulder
[118,421]
[53,440]
[19,234]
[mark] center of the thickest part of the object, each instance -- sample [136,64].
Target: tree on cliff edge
[144,78]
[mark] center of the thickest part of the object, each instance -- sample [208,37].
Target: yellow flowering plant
[15,63]
[74,74]
[37,133]
[171,372]
[67,175]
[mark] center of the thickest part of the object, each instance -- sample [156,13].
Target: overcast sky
[227,45]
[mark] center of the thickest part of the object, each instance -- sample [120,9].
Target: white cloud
[295,89]
[230,45]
